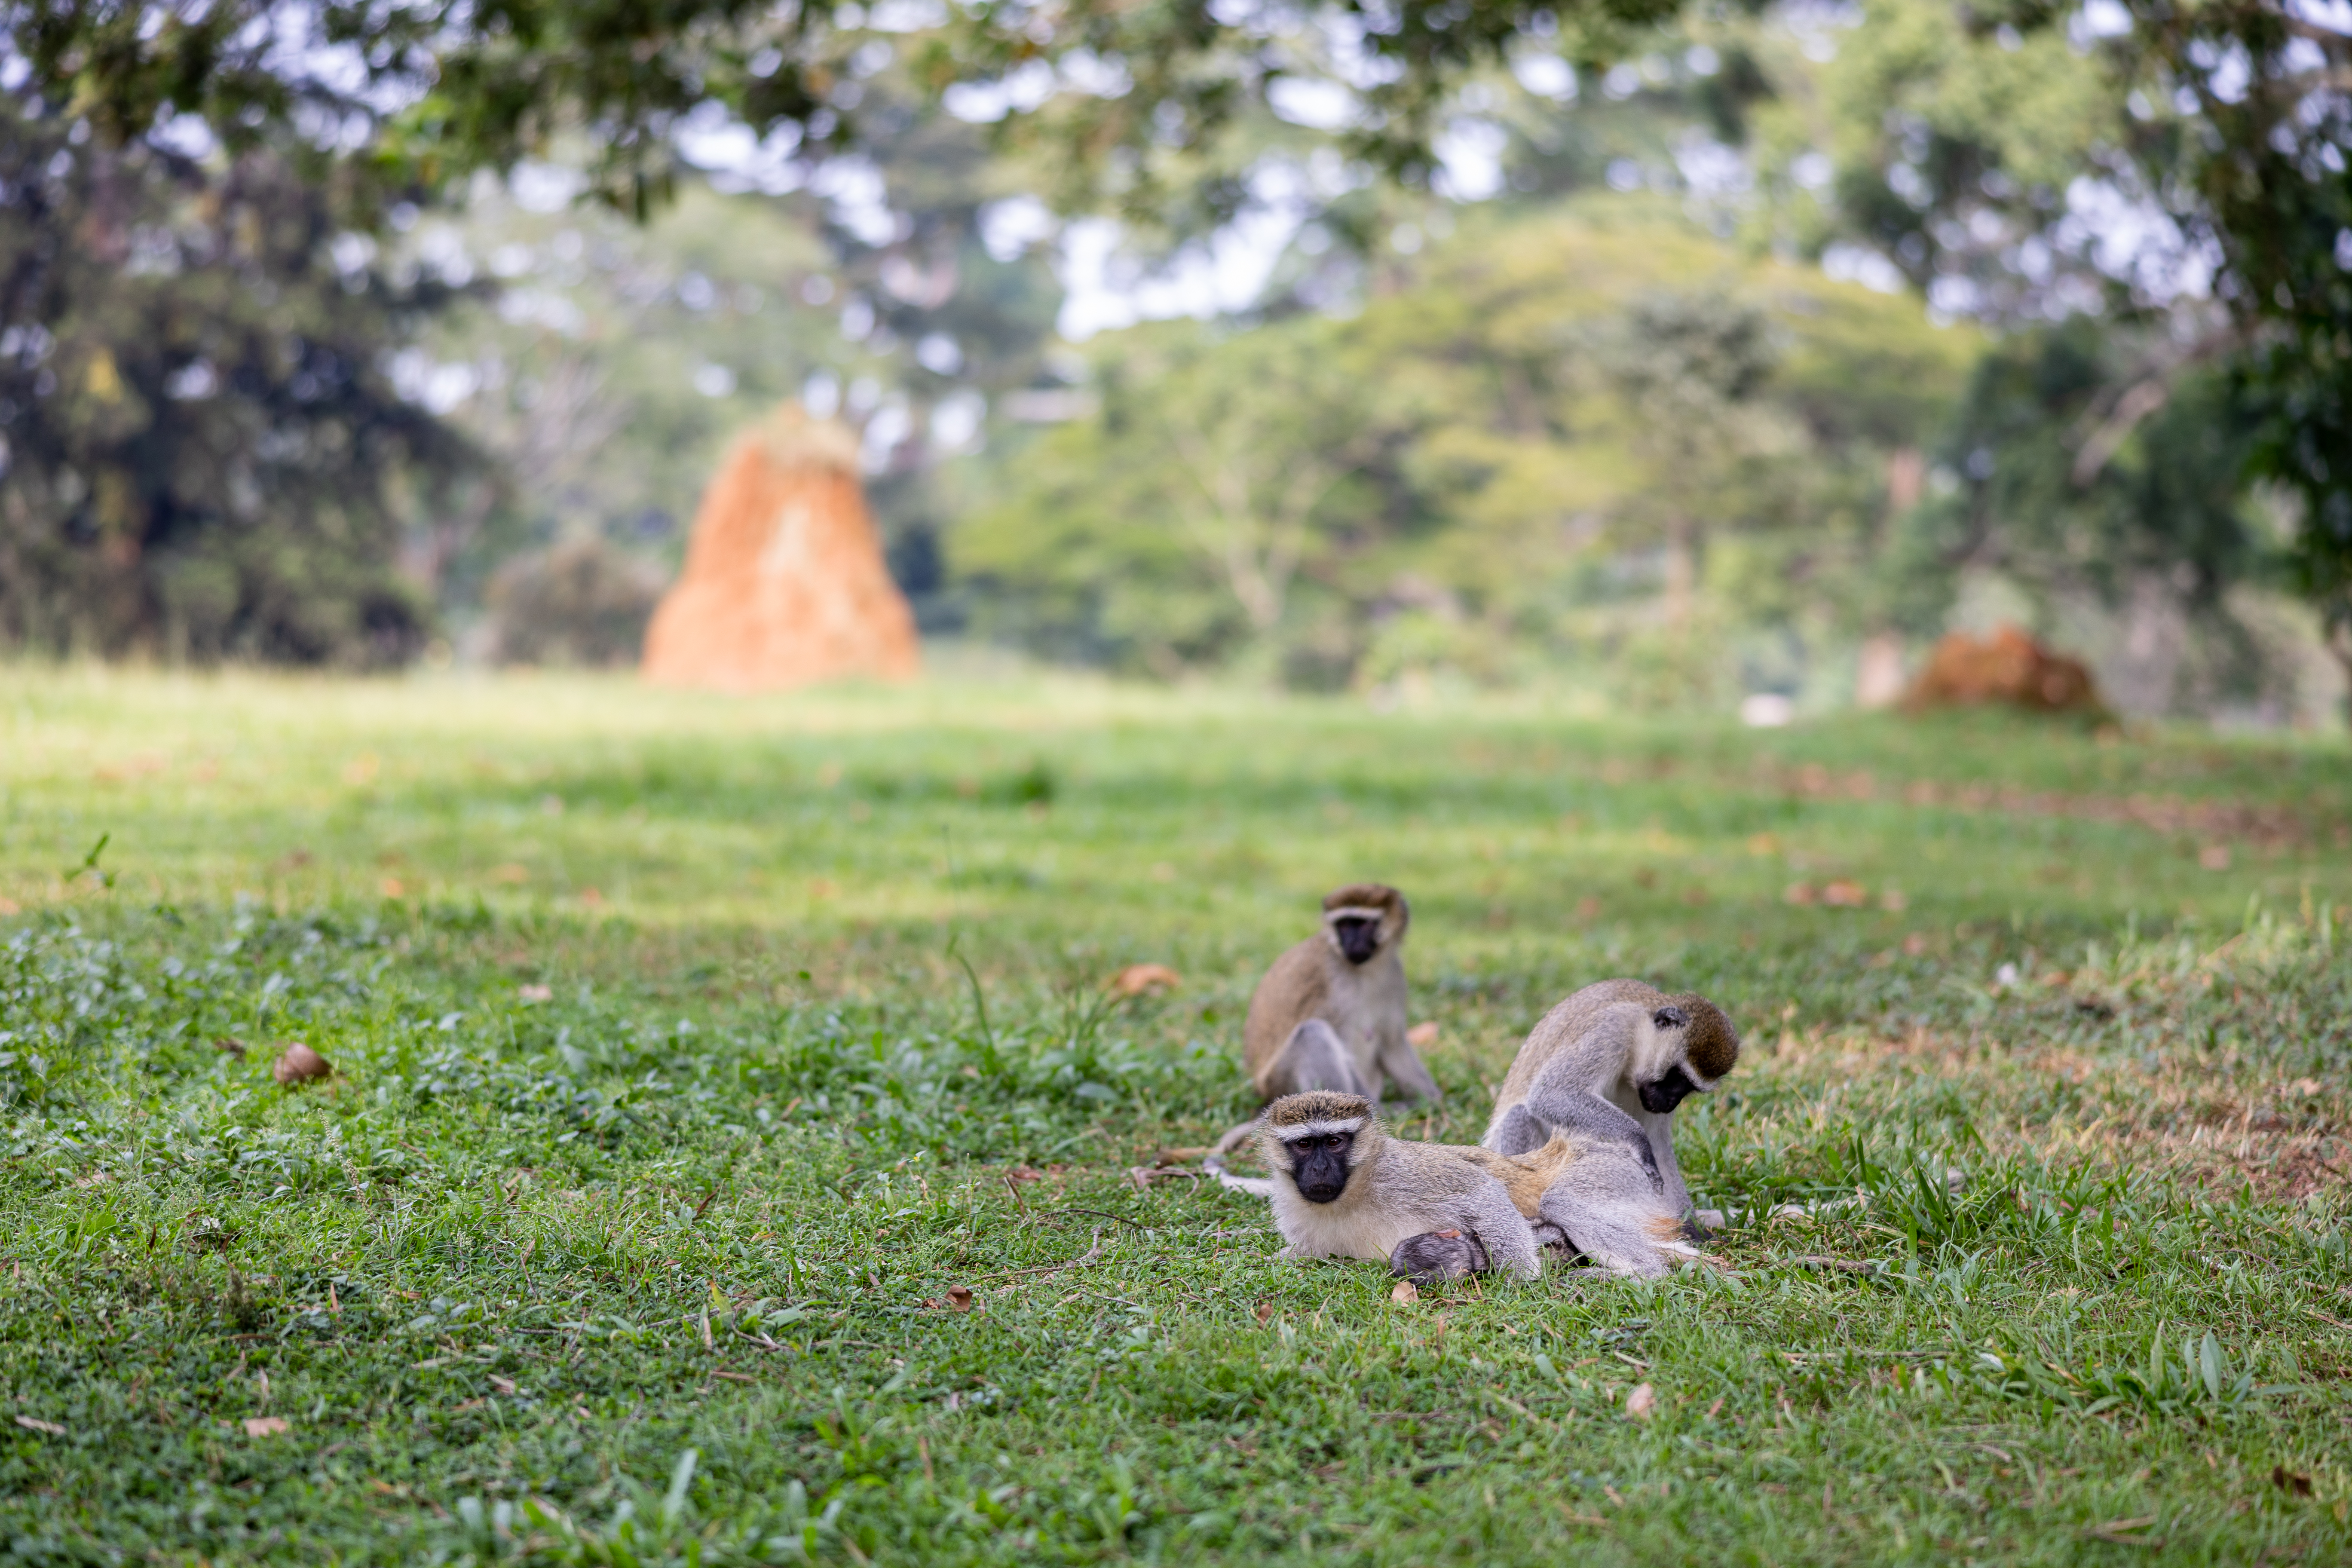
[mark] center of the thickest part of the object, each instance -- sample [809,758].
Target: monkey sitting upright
[1349,977]
[1342,1188]
[1610,1064]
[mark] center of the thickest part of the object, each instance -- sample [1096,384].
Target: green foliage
[1496,466]
[204,456]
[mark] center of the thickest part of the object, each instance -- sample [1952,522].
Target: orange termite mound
[784,583]
[2008,665]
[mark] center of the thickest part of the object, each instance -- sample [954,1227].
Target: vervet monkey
[1343,1188]
[1609,1064]
[1595,1197]
[1348,976]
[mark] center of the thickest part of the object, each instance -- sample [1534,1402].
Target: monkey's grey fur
[1608,1065]
[1343,1188]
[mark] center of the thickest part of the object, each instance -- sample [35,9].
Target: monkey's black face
[1662,1094]
[1359,938]
[1319,1164]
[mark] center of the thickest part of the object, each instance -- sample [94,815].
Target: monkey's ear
[1670,1018]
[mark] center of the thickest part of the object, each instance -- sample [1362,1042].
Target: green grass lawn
[689,1051]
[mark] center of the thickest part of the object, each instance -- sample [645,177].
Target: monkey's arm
[1660,1131]
[1551,1107]
[1564,1095]
[1509,1243]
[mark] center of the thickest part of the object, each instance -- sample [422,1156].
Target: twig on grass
[1091,1254]
[1839,1265]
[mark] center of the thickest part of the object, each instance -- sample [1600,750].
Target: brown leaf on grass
[1421,1037]
[503,1384]
[267,1425]
[1142,979]
[1800,893]
[536,994]
[392,888]
[1024,1173]
[1643,1403]
[229,1045]
[34,1423]
[1266,1311]
[300,1064]
[1405,1294]
[1846,895]
[959,1298]
[2290,1482]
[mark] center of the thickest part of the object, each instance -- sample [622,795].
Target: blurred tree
[1558,433]
[204,455]
[2138,159]
[2049,482]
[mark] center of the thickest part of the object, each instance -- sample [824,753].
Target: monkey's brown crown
[1710,1041]
[1367,896]
[1317,1105]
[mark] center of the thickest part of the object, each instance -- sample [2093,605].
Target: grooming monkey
[1609,1064]
[1343,1188]
[1348,978]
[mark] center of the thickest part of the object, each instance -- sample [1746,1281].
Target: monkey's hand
[1435,1255]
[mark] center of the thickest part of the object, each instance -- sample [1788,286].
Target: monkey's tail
[1213,1161]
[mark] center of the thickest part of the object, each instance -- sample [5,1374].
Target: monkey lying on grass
[1591,1196]
[1342,1188]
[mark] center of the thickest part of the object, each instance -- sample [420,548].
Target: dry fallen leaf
[1421,1037]
[1024,1173]
[33,1423]
[536,992]
[1914,945]
[1405,1294]
[2288,1481]
[1846,895]
[959,1298]
[391,888]
[300,1064]
[1265,1312]
[503,1384]
[1142,979]
[1643,1403]
[266,1425]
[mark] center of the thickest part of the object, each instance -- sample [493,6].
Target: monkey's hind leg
[1314,1058]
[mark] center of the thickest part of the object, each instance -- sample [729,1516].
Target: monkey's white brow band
[1352,911]
[1318,1129]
